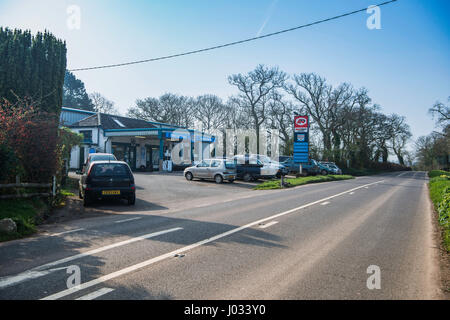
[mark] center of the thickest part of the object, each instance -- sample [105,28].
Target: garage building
[144,145]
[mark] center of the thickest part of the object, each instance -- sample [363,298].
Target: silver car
[212,169]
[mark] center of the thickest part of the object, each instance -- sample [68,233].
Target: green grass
[24,212]
[275,184]
[27,213]
[440,196]
[438,173]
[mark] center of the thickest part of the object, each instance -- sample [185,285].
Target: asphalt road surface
[367,238]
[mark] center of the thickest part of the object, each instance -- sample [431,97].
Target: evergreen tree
[32,67]
[74,93]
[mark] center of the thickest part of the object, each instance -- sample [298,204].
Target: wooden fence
[51,189]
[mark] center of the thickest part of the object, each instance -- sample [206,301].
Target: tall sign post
[301,140]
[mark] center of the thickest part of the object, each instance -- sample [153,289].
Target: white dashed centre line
[268,225]
[127,220]
[66,232]
[96,294]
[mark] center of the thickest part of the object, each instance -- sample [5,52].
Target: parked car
[310,168]
[98,157]
[213,169]
[251,167]
[106,180]
[324,169]
[333,167]
[268,162]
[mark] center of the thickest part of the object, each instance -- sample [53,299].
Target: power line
[230,43]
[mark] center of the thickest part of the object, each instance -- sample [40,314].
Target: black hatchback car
[107,180]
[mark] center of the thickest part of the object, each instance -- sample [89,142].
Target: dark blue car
[310,168]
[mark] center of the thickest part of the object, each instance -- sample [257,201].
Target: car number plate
[110,192]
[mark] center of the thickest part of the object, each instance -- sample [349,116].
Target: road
[311,242]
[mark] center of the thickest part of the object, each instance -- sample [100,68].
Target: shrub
[29,138]
[438,173]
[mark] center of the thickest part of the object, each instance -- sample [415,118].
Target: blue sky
[405,65]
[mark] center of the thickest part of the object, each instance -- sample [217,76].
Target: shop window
[87,136]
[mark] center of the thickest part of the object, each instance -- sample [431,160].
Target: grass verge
[27,213]
[440,196]
[275,184]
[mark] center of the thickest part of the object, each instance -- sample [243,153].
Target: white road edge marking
[127,220]
[402,174]
[65,232]
[41,270]
[187,248]
[96,294]
[325,203]
[268,225]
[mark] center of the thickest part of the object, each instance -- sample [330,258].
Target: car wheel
[218,179]
[324,172]
[86,200]
[248,177]
[189,176]
[132,200]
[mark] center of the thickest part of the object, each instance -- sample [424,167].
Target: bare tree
[169,108]
[281,115]
[210,112]
[312,92]
[401,133]
[328,107]
[254,89]
[101,104]
[441,112]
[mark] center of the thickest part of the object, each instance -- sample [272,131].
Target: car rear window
[103,157]
[109,170]
[230,165]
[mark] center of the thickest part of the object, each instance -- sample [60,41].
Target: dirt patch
[73,210]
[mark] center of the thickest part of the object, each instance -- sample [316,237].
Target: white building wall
[75,157]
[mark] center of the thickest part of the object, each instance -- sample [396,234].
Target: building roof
[108,122]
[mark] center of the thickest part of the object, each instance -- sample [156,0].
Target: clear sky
[405,65]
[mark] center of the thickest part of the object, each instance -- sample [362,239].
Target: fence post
[54,186]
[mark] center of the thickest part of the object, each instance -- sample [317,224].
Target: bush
[375,168]
[8,164]
[29,139]
[438,173]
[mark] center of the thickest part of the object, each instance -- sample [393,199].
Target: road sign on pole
[301,139]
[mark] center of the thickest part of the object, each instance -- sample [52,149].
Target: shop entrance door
[148,158]
[130,152]
[155,158]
